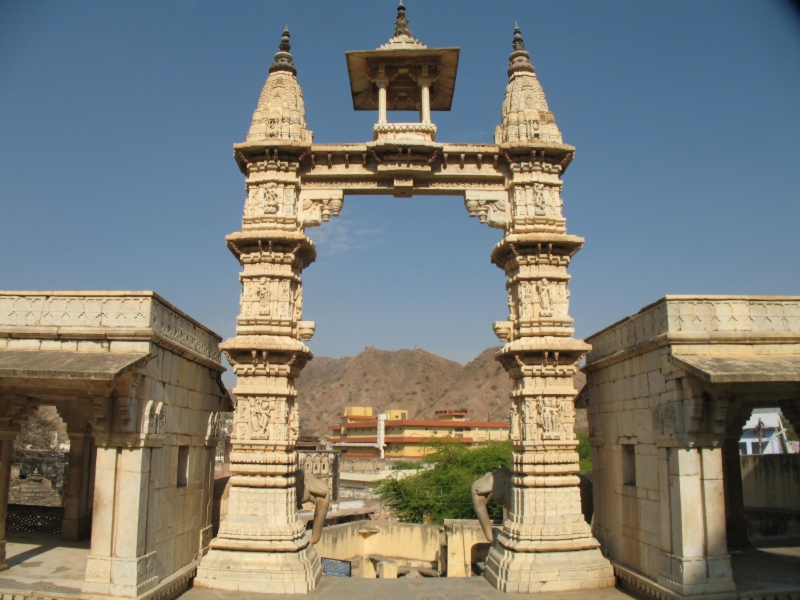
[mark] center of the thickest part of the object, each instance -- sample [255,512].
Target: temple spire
[519,59]
[283,60]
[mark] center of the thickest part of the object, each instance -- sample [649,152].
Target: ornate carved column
[545,543]
[262,545]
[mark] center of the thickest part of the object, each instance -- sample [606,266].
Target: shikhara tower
[514,185]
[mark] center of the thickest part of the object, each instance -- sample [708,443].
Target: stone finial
[401,24]
[283,60]
[402,38]
[525,115]
[281,113]
[519,59]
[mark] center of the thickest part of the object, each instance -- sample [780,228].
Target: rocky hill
[412,380]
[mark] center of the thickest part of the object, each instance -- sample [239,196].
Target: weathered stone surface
[667,389]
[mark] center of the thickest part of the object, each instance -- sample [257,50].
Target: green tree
[442,489]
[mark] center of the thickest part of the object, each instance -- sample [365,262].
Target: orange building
[360,434]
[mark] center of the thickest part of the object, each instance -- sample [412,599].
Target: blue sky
[116,168]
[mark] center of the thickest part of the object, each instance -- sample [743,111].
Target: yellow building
[360,434]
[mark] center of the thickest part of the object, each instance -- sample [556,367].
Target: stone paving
[426,588]
[40,565]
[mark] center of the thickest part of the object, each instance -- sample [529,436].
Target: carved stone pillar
[77,497]
[697,562]
[6,454]
[545,544]
[262,545]
[118,563]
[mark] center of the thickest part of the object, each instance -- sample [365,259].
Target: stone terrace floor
[425,588]
[41,565]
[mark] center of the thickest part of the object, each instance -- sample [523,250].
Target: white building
[764,434]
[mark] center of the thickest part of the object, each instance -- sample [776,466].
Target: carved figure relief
[259,419]
[298,302]
[540,204]
[514,421]
[529,422]
[556,203]
[525,294]
[271,199]
[284,298]
[563,294]
[545,291]
[294,423]
[264,296]
[549,418]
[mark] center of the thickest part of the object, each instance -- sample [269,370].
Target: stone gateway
[514,185]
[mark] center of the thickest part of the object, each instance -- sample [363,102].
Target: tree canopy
[441,490]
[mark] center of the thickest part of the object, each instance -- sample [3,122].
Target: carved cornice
[106,315]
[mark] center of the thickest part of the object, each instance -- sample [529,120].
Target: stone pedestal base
[261,572]
[532,572]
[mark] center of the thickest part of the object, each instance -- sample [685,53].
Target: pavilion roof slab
[360,62]
[65,364]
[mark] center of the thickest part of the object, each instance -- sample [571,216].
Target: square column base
[260,572]
[532,572]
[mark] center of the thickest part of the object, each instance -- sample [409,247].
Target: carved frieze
[542,418]
[265,418]
[270,201]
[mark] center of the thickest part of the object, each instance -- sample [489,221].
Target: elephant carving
[309,489]
[494,486]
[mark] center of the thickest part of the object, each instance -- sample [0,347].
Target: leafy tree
[584,452]
[41,430]
[442,490]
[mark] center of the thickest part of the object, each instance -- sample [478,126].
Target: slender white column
[382,101]
[425,114]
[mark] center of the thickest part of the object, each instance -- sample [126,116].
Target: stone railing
[756,314]
[75,312]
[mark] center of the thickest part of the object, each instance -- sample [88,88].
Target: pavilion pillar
[118,563]
[382,101]
[695,560]
[6,454]
[77,498]
[735,522]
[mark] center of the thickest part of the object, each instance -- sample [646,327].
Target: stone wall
[771,485]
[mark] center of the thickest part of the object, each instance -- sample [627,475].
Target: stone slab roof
[69,364]
[741,369]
